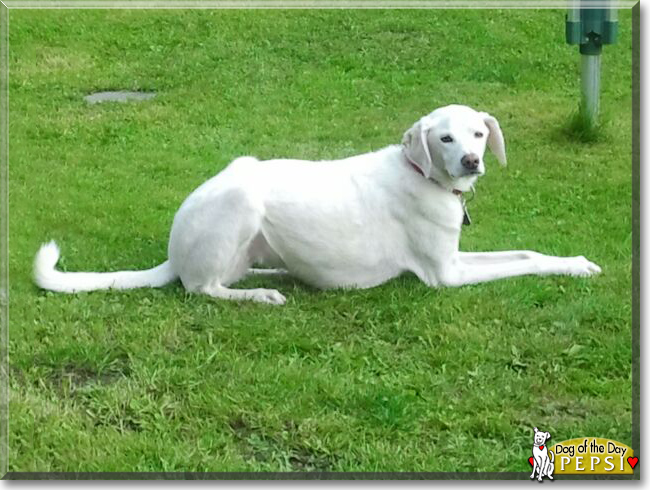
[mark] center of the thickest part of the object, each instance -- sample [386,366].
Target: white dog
[542,456]
[351,223]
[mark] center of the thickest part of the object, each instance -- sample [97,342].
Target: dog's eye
[447,139]
[478,134]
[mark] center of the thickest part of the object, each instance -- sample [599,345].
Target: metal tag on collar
[466,219]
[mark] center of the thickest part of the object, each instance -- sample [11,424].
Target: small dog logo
[543,458]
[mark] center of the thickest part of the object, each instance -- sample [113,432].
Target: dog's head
[448,145]
[540,437]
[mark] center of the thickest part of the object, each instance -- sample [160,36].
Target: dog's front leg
[485,258]
[542,468]
[535,467]
[475,268]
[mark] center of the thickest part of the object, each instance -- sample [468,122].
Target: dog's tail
[551,455]
[47,277]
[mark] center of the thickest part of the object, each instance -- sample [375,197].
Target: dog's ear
[416,146]
[535,429]
[495,141]
[548,436]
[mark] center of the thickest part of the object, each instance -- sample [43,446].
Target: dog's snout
[470,161]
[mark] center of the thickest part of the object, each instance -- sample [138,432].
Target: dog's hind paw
[270,296]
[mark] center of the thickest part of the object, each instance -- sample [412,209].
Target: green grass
[396,378]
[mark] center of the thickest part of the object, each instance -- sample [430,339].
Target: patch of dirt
[256,444]
[69,378]
[306,459]
[239,426]
[16,375]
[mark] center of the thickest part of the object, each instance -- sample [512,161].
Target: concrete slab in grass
[118,96]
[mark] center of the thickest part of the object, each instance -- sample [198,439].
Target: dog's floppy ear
[495,140]
[548,436]
[416,147]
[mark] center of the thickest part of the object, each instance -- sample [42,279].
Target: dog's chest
[439,208]
[539,450]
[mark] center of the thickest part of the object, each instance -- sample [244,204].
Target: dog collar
[456,192]
[415,166]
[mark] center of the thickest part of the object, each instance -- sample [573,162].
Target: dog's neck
[417,168]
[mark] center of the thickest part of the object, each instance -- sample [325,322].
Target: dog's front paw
[580,266]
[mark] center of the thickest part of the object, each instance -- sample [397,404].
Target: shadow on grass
[579,129]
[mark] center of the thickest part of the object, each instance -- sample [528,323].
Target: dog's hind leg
[267,272]
[270,296]
[215,241]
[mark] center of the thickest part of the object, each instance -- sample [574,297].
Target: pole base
[590,103]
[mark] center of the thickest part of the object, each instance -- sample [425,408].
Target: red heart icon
[541,447]
[632,461]
[530,460]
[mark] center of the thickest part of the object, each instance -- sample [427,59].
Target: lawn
[395,378]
